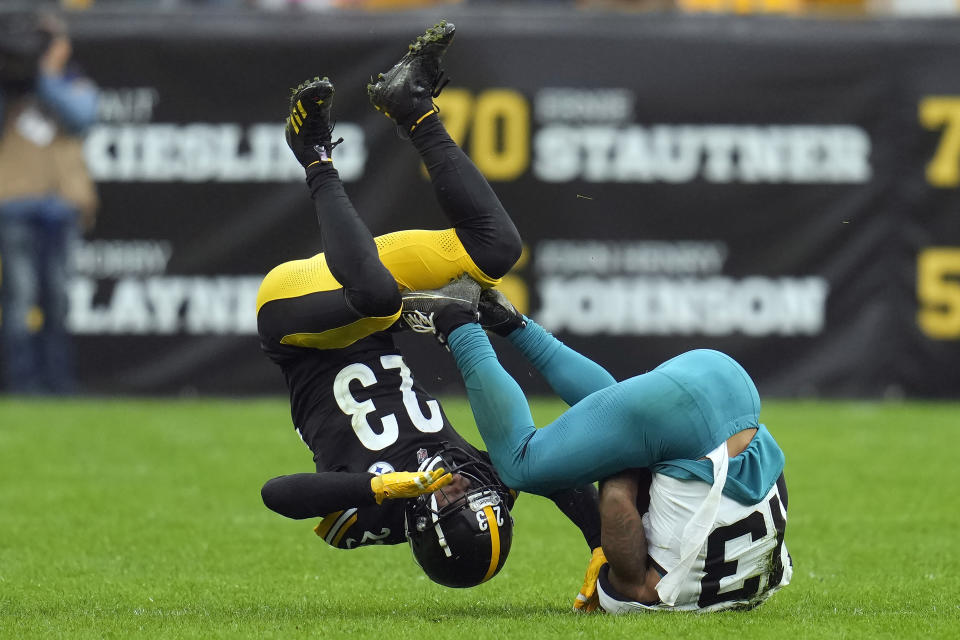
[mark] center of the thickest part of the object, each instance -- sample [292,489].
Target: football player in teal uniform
[692,499]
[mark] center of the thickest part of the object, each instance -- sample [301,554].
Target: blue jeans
[36,236]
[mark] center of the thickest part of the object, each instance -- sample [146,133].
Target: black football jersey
[359,409]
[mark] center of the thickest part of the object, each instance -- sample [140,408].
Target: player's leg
[469,202]
[405,94]
[636,423]
[570,374]
[498,404]
[345,293]
[18,293]
[351,254]
[580,447]
[590,441]
[577,448]
[349,248]
[59,233]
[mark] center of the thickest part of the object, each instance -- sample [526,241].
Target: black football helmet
[466,541]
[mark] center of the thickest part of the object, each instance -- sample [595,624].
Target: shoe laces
[328,134]
[326,140]
[420,322]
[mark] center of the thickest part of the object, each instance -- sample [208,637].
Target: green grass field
[142,518]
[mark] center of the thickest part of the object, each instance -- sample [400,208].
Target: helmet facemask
[464,542]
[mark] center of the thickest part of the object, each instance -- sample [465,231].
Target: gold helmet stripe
[494,542]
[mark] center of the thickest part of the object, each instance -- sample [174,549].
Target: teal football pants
[683,409]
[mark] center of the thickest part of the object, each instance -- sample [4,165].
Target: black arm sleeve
[312,495]
[644,480]
[581,506]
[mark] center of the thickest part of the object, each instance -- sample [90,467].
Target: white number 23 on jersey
[360,410]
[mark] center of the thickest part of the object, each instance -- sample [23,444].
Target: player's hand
[588,600]
[408,484]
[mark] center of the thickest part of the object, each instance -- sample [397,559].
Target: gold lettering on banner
[943,112]
[742,6]
[938,292]
[501,134]
[492,127]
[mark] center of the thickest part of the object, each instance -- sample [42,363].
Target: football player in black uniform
[390,467]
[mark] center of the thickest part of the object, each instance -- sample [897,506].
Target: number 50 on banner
[938,291]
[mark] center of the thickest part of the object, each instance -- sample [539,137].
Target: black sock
[349,248]
[580,506]
[467,199]
[322,175]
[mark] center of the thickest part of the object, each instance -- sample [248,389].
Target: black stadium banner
[785,191]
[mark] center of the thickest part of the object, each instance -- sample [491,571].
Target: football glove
[588,600]
[497,313]
[408,484]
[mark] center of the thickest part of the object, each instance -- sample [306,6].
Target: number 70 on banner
[943,112]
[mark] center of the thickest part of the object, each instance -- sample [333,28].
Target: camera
[23,40]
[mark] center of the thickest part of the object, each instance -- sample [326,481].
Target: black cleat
[309,131]
[439,311]
[405,93]
[497,313]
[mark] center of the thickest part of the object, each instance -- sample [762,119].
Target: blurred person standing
[46,195]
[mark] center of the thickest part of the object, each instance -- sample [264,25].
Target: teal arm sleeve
[570,374]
